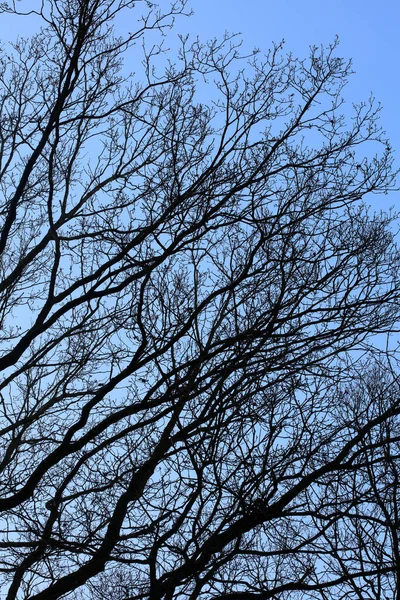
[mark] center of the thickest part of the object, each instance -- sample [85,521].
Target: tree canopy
[195,401]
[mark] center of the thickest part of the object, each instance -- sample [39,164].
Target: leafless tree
[193,401]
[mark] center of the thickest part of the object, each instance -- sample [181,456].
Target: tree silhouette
[193,399]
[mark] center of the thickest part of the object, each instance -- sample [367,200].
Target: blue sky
[369,33]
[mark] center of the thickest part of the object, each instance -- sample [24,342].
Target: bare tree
[192,404]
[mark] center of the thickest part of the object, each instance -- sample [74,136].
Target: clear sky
[369,33]
[368,30]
